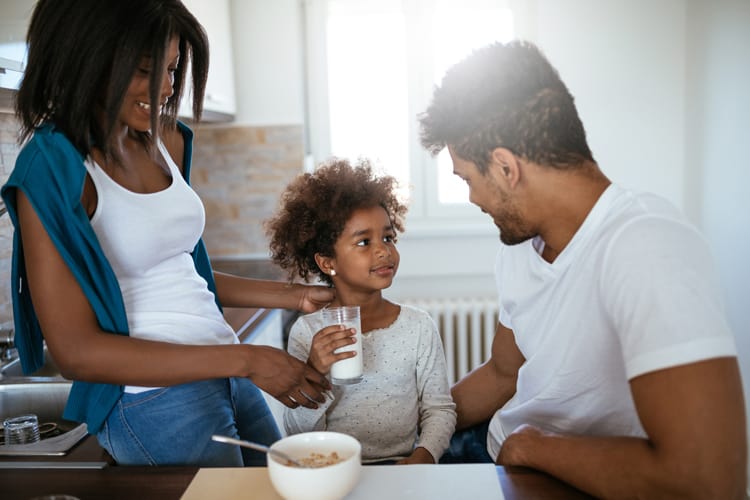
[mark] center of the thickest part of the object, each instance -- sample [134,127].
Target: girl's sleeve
[437,411]
[303,419]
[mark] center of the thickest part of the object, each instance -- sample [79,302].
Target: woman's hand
[325,342]
[286,378]
[313,297]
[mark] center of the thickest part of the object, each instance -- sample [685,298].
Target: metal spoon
[259,447]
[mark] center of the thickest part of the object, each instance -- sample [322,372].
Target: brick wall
[239,173]
[8,153]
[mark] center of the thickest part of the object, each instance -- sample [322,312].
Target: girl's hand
[313,297]
[419,456]
[325,342]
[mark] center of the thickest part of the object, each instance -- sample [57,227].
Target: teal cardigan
[51,173]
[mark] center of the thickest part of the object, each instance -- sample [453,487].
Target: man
[613,367]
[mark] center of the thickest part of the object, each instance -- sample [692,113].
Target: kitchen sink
[48,369]
[46,399]
[44,394]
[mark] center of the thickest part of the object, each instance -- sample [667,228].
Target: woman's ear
[505,166]
[325,264]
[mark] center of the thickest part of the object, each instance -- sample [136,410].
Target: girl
[340,224]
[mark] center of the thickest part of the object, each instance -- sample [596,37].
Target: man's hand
[696,447]
[523,438]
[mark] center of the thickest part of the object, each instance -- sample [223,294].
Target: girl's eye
[144,71]
[389,239]
[363,243]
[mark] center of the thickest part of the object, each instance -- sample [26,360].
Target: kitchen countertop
[165,483]
[252,268]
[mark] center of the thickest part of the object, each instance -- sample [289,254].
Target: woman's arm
[85,352]
[235,291]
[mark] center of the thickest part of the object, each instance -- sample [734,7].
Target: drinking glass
[21,430]
[346,371]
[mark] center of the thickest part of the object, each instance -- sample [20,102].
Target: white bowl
[329,482]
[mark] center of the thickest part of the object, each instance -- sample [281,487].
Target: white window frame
[427,216]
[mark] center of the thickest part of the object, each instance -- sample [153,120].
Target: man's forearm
[618,467]
[480,394]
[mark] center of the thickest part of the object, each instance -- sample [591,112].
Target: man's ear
[324,263]
[506,166]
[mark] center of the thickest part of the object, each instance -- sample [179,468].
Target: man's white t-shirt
[634,291]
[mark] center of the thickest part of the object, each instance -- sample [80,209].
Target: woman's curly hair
[315,207]
[505,95]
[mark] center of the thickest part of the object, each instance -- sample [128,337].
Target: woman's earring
[333,272]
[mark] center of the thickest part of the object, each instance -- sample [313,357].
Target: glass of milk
[347,371]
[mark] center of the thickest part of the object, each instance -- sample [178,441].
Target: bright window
[372,67]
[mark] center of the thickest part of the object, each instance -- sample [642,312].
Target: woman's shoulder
[174,139]
[47,152]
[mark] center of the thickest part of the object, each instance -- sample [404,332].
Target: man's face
[491,195]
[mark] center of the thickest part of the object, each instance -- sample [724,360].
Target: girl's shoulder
[413,315]
[413,311]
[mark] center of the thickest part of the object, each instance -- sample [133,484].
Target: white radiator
[467,327]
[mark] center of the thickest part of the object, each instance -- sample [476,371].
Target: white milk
[346,371]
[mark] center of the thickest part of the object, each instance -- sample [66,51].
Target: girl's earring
[333,272]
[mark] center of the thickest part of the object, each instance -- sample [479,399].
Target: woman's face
[366,256]
[135,112]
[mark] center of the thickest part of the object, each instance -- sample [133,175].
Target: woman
[108,265]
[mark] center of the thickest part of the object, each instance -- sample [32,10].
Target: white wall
[624,62]
[718,35]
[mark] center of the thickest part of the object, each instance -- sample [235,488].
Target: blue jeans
[173,425]
[468,446]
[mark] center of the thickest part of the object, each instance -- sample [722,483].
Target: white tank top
[147,239]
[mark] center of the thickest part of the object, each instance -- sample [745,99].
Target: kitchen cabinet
[219,104]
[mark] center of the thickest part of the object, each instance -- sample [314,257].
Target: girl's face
[136,106]
[366,255]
